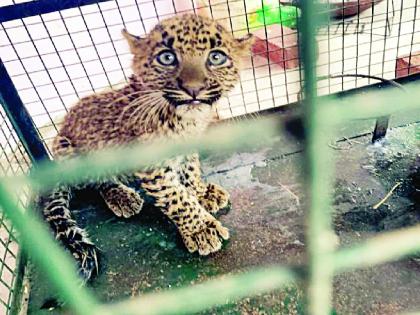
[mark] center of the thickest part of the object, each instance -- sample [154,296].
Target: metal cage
[55,52]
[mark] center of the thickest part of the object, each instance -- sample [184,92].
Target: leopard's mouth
[194,102]
[180,99]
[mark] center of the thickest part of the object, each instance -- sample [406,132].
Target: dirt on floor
[266,220]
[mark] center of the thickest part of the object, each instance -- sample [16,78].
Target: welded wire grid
[56,58]
[13,161]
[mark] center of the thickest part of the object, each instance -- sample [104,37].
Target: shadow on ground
[145,254]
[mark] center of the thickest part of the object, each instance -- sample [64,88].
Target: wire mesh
[13,161]
[56,58]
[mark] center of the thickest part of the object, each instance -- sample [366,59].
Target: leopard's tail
[56,212]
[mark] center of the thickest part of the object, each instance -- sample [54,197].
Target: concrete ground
[145,254]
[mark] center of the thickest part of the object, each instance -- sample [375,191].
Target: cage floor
[145,254]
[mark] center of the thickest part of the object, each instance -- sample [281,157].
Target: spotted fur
[160,102]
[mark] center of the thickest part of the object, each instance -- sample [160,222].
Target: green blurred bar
[370,105]
[111,161]
[332,112]
[220,291]
[380,249]
[48,256]
[318,171]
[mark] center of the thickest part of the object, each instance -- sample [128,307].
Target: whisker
[147,119]
[131,94]
[133,118]
[135,102]
[139,108]
[213,90]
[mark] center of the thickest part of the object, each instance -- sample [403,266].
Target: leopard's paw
[215,198]
[87,259]
[85,254]
[123,201]
[208,240]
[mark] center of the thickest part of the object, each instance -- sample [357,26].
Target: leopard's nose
[191,87]
[193,91]
[192,78]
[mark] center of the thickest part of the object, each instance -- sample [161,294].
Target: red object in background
[407,65]
[343,9]
[281,47]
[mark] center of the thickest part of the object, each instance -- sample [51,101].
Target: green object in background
[273,14]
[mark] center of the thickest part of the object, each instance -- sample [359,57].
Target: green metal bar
[49,257]
[318,171]
[370,105]
[214,292]
[224,138]
[332,112]
[379,249]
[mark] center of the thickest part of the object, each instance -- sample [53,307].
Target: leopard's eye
[217,58]
[167,58]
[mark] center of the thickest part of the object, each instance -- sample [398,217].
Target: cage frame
[324,260]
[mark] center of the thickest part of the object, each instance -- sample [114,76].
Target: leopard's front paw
[207,240]
[215,198]
[123,201]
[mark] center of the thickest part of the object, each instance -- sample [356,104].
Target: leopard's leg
[198,228]
[124,201]
[57,213]
[211,196]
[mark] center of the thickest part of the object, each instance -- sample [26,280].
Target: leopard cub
[180,70]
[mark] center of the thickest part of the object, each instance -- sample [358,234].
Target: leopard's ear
[136,43]
[202,9]
[245,43]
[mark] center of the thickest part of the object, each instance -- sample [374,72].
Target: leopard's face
[191,59]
